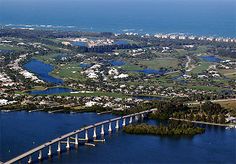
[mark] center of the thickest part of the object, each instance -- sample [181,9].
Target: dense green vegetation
[173,128]
[208,112]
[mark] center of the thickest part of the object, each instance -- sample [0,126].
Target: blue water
[21,131]
[51,91]
[85,65]
[152,71]
[42,70]
[117,63]
[211,59]
[200,17]
[80,44]
[147,97]
[121,42]
[6,51]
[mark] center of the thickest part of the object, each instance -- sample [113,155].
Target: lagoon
[51,91]
[148,98]
[152,71]
[80,44]
[117,63]
[42,70]
[211,59]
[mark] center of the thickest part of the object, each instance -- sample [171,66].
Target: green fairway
[131,67]
[69,72]
[9,47]
[201,67]
[160,63]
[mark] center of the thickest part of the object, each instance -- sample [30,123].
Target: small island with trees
[173,128]
[179,119]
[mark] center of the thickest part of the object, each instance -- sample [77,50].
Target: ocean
[199,17]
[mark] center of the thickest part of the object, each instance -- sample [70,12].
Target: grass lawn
[69,72]
[131,67]
[10,47]
[205,88]
[203,66]
[200,50]
[230,73]
[161,63]
[49,58]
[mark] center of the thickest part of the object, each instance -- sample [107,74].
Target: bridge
[73,136]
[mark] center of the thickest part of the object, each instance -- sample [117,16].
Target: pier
[201,122]
[71,138]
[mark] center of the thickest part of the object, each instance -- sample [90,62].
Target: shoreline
[116,32]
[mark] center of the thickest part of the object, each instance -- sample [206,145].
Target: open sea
[199,17]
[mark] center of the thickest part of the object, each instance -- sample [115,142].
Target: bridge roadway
[54,141]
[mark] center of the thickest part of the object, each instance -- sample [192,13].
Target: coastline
[115,31]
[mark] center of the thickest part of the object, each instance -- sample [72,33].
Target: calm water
[201,17]
[211,59]
[21,131]
[42,70]
[50,91]
[147,97]
[116,63]
[121,42]
[85,65]
[152,71]
[80,44]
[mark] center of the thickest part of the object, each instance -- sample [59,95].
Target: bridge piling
[142,116]
[131,120]
[86,135]
[117,124]
[76,140]
[94,133]
[40,155]
[124,122]
[109,129]
[68,143]
[50,151]
[30,159]
[59,147]
[102,130]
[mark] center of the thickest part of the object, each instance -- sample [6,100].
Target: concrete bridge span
[67,138]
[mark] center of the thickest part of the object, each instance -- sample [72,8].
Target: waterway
[42,70]
[117,63]
[51,91]
[152,71]
[148,97]
[211,59]
[21,131]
